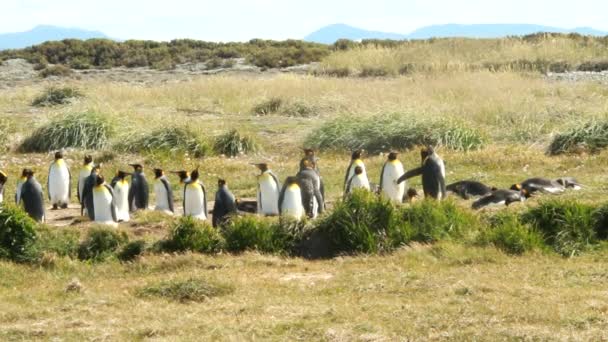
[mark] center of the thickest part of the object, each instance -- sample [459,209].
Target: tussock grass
[132,250]
[190,234]
[508,233]
[190,290]
[87,130]
[267,107]
[101,243]
[17,235]
[588,137]
[267,235]
[291,108]
[233,144]
[56,96]
[168,140]
[55,70]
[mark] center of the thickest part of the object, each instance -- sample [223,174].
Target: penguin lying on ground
[20,183]
[310,187]
[467,189]
[103,203]
[3,179]
[569,183]
[87,207]
[139,192]
[268,193]
[501,197]
[225,204]
[355,161]
[120,186]
[32,197]
[391,171]
[195,197]
[542,185]
[290,200]
[164,194]
[85,172]
[433,174]
[357,181]
[59,182]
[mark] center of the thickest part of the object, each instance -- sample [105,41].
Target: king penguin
[290,200]
[195,197]
[225,204]
[357,181]
[164,194]
[139,192]
[433,174]
[87,207]
[58,183]
[542,185]
[3,179]
[391,171]
[467,189]
[501,197]
[121,196]
[354,162]
[311,158]
[184,176]
[269,190]
[32,197]
[85,172]
[103,203]
[20,183]
[310,187]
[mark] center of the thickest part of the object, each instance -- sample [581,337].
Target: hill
[43,33]
[329,34]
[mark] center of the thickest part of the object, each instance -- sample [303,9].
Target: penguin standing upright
[87,207]
[195,197]
[309,182]
[139,191]
[32,197]
[269,190]
[391,171]
[103,202]
[20,183]
[164,194]
[121,196]
[433,174]
[290,200]
[3,179]
[85,172]
[354,162]
[184,176]
[310,156]
[225,204]
[58,184]
[357,181]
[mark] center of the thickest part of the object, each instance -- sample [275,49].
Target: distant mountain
[331,33]
[44,33]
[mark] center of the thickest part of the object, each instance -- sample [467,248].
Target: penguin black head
[137,167]
[392,156]
[158,173]
[221,182]
[412,194]
[358,170]
[99,180]
[427,152]
[96,168]
[291,180]
[526,193]
[58,155]
[262,166]
[309,152]
[183,175]
[356,154]
[122,174]
[88,159]
[194,175]
[3,177]
[308,163]
[516,187]
[29,173]
[24,172]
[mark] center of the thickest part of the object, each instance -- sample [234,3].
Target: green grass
[191,290]
[55,96]
[233,144]
[17,235]
[508,233]
[101,243]
[190,234]
[166,140]
[589,137]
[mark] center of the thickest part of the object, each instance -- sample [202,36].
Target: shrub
[62,242]
[267,107]
[56,96]
[597,66]
[374,72]
[101,243]
[334,72]
[17,235]
[166,139]
[190,234]
[567,226]
[233,144]
[588,137]
[262,234]
[191,290]
[56,70]
[80,130]
[132,250]
[510,235]
[600,222]
[214,63]
[384,132]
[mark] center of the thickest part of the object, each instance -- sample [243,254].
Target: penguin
[309,155]
[391,171]
[269,190]
[195,197]
[501,197]
[20,182]
[120,186]
[85,172]
[569,183]
[59,182]
[542,185]
[103,203]
[310,188]
[32,197]
[468,188]
[433,174]
[290,200]
[164,194]
[357,181]
[412,195]
[87,207]
[139,192]
[225,204]
[3,179]
[184,176]
[354,162]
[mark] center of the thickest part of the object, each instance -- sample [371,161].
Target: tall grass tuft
[508,233]
[167,139]
[101,243]
[189,234]
[588,137]
[54,96]
[233,144]
[17,235]
[79,130]
[266,235]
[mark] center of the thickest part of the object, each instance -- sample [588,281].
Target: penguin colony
[300,196]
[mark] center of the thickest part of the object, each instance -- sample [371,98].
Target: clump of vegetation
[266,235]
[80,130]
[132,250]
[190,290]
[369,71]
[166,139]
[600,221]
[589,137]
[56,96]
[385,132]
[508,233]
[5,131]
[277,105]
[233,144]
[17,235]
[595,66]
[298,109]
[55,70]
[567,226]
[60,242]
[190,234]
[101,243]
[332,72]
[267,107]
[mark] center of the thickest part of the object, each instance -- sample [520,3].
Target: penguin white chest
[268,195]
[121,201]
[195,201]
[359,182]
[390,189]
[292,203]
[162,197]
[351,170]
[82,177]
[102,204]
[59,183]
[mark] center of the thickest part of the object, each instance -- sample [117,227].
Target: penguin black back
[310,187]
[466,189]
[432,172]
[225,204]
[139,193]
[32,197]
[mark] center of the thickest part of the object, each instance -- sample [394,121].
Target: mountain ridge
[43,33]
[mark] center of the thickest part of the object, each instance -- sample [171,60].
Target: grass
[589,137]
[56,96]
[166,140]
[233,144]
[191,290]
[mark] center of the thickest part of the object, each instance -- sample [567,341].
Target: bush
[62,242]
[214,63]
[56,70]
[262,234]
[334,72]
[385,132]
[510,235]
[167,139]
[79,130]
[101,243]
[567,226]
[56,96]
[233,144]
[600,222]
[374,72]
[132,250]
[589,137]
[191,290]
[270,106]
[190,234]
[597,66]
[17,235]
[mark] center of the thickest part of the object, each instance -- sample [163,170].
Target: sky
[241,20]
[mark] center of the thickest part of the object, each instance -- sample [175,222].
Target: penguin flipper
[131,196]
[69,183]
[281,198]
[204,197]
[169,193]
[112,206]
[382,177]
[347,173]
[411,173]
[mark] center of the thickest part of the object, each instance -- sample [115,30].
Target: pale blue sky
[228,20]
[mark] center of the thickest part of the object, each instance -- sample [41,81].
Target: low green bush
[132,250]
[60,241]
[509,234]
[233,144]
[266,235]
[589,137]
[56,96]
[55,70]
[190,234]
[167,140]
[190,290]
[101,243]
[18,235]
[267,107]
